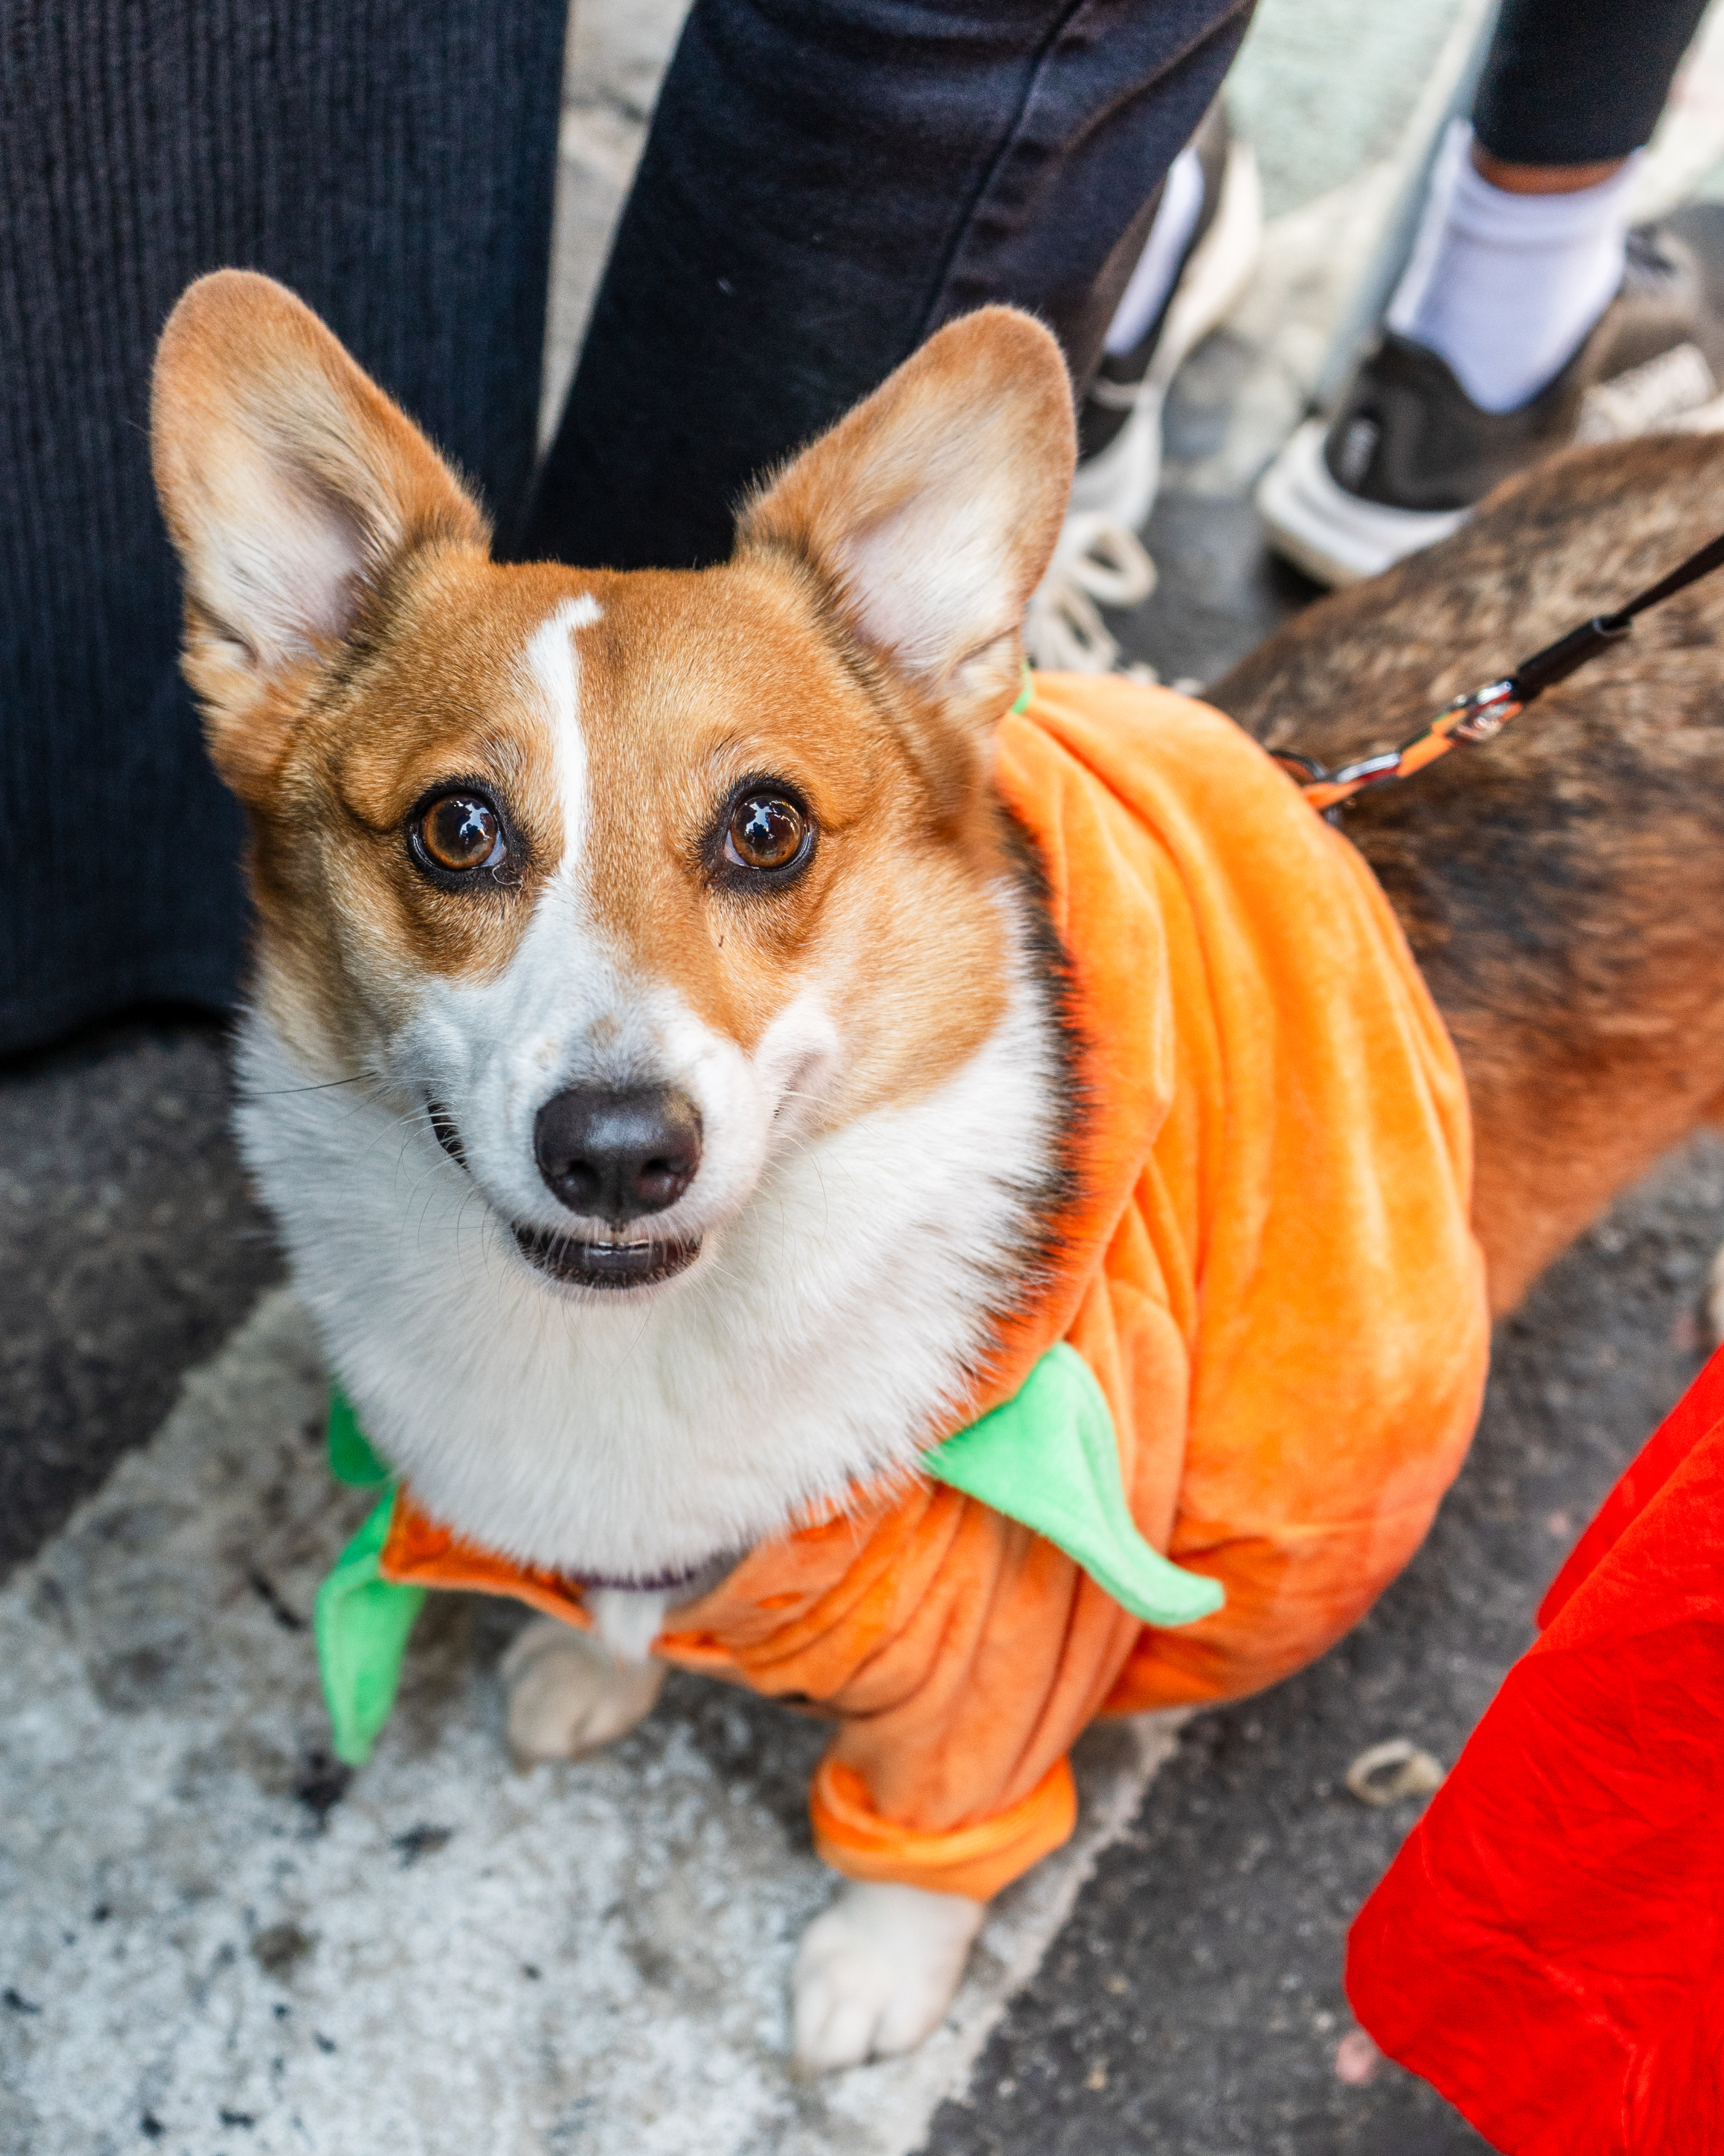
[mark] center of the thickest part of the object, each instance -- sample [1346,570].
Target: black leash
[1482,714]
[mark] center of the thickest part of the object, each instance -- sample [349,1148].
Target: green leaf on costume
[1048,1457]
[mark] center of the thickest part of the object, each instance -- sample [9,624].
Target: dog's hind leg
[877,1971]
[568,1694]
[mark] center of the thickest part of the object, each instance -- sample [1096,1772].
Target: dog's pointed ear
[931,510]
[290,484]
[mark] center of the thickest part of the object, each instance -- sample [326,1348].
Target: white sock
[1149,284]
[1506,287]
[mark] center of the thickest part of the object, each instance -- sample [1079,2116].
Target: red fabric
[1546,1949]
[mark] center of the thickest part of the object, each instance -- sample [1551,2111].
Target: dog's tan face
[624,880]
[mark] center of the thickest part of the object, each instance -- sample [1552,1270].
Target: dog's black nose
[616,1155]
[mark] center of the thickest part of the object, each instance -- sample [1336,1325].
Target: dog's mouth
[579,1261]
[600,1265]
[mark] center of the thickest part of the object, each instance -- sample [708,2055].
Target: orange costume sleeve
[1270,1273]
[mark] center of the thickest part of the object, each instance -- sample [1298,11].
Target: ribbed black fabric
[1577,82]
[391,160]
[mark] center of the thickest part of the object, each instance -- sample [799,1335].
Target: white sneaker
[1100,560]
[1338,537]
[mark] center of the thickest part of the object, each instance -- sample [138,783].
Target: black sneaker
[1409,453]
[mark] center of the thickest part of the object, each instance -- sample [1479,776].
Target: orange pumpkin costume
[1268,1271]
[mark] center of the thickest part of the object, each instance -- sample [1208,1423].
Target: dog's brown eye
[766,832]
[462,832]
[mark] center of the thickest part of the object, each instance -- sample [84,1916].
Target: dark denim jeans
[1576,82]
[825,182]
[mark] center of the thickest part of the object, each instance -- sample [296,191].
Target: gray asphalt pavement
[130,1249]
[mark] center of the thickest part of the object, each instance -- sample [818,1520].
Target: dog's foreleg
[877,1971]
[569,1694]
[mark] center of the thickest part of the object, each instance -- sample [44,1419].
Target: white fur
[934,581]
[285,579]
[877,1971]
[628,1619]
[823,1334]
[568,1697]
[553,668]
[283,517]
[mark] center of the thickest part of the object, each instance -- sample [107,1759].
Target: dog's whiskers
[323,1085]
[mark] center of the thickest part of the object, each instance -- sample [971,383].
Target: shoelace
[1098,562]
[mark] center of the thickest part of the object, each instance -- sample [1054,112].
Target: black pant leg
[827,180]
[1577,82]
[394,161]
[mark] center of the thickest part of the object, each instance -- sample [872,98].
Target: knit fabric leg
[824,184]
[391,160]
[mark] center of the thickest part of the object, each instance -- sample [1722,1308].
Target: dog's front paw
[568,1695]
[875,1972]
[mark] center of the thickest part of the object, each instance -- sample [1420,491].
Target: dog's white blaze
[553,663]
[823,1335]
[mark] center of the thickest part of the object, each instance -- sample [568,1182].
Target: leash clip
[1483,714]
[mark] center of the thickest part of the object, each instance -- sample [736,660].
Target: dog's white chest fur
[823,1336]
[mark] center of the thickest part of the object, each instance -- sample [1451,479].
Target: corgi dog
[663,1061]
